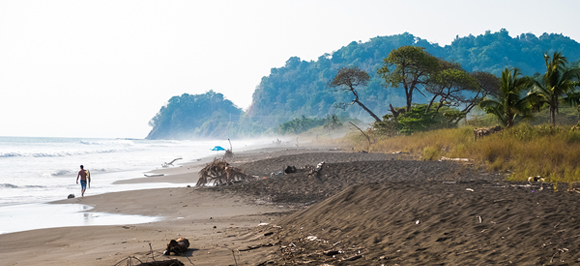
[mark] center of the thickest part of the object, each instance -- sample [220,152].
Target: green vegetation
[188,116]
[556,82]
[409,67]
[303,124]
[418,119]
[301,87]
[509,106]
[347,79]
[399,70]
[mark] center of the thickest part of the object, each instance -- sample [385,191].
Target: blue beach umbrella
[218,148]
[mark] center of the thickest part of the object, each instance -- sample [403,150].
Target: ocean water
[34,171]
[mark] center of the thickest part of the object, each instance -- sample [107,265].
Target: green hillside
[301,88]
[187,116]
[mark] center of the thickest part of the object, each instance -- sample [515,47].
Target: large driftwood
[220,172]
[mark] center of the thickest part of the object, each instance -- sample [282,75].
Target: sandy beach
[216,223]
[360,209]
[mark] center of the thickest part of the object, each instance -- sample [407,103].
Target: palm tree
[556,82]
[509,106]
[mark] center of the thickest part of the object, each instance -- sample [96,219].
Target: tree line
[301,87]
[454,92]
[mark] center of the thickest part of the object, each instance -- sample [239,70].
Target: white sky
[104,68]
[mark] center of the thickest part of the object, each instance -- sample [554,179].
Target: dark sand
[364,209]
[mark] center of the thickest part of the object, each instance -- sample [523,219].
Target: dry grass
[524,150]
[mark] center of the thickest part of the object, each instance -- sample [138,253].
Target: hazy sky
[104,68]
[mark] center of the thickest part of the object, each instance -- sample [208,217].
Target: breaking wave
[8,185]
[58,153]
[121,142]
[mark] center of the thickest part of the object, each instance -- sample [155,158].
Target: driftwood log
[220,172]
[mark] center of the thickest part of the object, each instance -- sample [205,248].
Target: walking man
[83,175]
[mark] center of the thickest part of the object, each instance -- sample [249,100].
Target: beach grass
[523,151]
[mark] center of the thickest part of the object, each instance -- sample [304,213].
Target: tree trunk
[369,111]
[409,95]
[553,116]
[509,121]
[430,103]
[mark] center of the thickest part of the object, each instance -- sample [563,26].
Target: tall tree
[449,84]
[557,80]
[347,79]
[410,67]
[509,106]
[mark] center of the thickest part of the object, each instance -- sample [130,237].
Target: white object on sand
[167,164]
[151,175]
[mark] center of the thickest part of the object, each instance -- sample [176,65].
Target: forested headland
[302,90]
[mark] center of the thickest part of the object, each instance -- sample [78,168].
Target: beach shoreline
[201,216]
[357,209]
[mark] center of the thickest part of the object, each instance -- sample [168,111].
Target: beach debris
[167,164]
[220,172]
[317,169]
[470,189]
[256,246]
[484,131]
[229,155]
[417,222]
[536,179]
[443,158]
[177,246]
[330,252]
[71,196]
[289,169]
[234,254]
[152,175]
[311,238]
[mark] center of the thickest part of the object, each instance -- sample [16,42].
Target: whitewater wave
[10,154]
[122,142]
[60,172]
[8,186]
[59,153]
